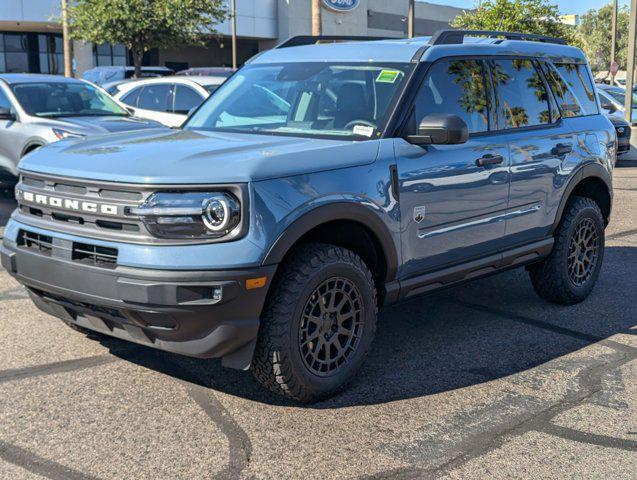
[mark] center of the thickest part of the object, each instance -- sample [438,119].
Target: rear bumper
[168,310]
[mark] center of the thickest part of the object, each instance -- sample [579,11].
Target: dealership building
[31,39]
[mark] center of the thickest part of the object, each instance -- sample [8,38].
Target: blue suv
[327,178]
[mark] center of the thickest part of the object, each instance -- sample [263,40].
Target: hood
[96,125]
[194,157]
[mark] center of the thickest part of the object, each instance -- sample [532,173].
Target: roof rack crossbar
[455,37]
[314,40]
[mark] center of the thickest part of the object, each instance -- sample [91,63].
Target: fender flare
[590,170]
[336,211]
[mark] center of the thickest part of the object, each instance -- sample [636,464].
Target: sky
[566,6]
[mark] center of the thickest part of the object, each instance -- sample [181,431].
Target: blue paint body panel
[440,210]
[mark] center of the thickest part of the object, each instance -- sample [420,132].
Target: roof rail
[314,40]
[454,37]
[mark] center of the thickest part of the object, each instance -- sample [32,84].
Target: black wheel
[569,274]
[318,324]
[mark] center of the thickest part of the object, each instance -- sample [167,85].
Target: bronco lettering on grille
[69,204]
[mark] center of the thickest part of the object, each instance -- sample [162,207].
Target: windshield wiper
[79,114]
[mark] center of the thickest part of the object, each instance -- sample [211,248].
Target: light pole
[66,40]
[411,19]
[613,44]
[630,67]
[234,33]
[316,18]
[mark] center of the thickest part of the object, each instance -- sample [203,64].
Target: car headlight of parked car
[190,215]
[61,134]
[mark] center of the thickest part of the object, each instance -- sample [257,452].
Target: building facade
[31,39]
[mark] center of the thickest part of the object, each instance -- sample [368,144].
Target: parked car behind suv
[167,100]
[318,184]
[39,109]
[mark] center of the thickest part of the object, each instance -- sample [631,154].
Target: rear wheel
[318,324]
[569,274]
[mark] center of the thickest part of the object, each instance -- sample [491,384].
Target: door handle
[562,149]
[489,160]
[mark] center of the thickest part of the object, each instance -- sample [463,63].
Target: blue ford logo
[341,5]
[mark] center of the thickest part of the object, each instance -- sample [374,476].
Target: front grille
[94,255]
[85,253]
[42,244]
[71,219]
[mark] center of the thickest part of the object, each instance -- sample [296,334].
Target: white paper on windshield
[364,130]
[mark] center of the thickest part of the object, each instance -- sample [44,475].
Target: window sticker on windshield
[388,76]
[364,130]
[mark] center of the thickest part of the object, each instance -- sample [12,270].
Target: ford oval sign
[341,5]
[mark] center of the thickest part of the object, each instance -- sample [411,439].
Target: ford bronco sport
[327,178]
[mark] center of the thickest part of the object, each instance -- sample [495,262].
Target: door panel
[462,205]
[540,165]
[453,209]
[540,146]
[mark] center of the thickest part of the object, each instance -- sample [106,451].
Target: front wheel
[318,324]
[569,274]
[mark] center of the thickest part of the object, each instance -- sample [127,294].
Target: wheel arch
[333,215]
[31,146]
[592,181]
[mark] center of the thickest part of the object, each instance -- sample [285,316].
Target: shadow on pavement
[471,334]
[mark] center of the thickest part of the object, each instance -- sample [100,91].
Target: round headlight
[216,214]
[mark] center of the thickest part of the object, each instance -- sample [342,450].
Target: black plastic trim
[492,264]
[589,170]
[337,211]
[456,37]
[302,40]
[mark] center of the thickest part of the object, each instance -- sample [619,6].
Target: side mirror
[6,114]
[610,107]
[440,129]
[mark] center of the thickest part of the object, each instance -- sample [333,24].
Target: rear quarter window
[580,84]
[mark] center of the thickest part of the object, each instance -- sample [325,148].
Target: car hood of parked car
[94,125]
[195,157]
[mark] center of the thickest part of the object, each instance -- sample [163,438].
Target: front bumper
[623,145]
[168,310]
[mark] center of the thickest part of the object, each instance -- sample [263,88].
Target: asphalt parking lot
[482,381]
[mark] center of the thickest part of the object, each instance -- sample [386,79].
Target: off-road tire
[550,278]
[278,363]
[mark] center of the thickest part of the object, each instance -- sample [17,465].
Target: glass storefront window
[31,53]
[107,55]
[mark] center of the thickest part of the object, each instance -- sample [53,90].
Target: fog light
[217,294]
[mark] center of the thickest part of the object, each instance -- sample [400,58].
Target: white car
[168,100]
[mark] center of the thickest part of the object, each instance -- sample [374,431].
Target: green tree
[141,25]
[594,33]
[524,16]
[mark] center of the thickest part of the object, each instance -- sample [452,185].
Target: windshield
[620,96]
[63,99]
[305,99]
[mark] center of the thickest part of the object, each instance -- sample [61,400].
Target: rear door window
[4,100]
[186,99]
[579,81]
[157,98]
[132,97]
[521,97]
[455,87]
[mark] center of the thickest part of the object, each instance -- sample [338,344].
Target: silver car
[39,109]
